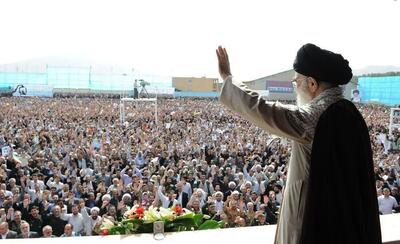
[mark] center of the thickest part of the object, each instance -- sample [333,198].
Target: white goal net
[139,100]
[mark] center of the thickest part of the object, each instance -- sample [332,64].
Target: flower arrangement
[139,220]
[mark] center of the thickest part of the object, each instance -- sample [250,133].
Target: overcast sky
[172,37]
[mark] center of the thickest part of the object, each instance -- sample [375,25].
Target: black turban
[322,65]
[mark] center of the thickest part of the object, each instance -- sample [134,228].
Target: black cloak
[342,202]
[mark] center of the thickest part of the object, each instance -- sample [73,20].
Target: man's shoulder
[12,233]
[343,112]
[32,234]
[341,105]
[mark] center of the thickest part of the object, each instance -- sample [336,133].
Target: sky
[179,37]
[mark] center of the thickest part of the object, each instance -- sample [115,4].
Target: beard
[303,95]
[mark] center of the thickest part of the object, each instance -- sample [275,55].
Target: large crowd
[69,163]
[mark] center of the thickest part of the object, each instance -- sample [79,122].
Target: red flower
[104,232]
[139,211]
[178,209]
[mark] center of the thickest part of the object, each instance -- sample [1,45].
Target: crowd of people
[69,163]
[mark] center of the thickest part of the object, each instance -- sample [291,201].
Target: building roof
[286,75]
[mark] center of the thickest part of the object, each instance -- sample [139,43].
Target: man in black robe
[329,196]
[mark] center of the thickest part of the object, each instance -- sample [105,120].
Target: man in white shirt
[169,201]
[126,175]
[6,192]
[187,188]
[181,196]
[90,221]
[219,204]
[35,193]
[248,175]
[75,218]
[86,171]
[35,181]
[386,202]
[205,185]
[56,183]
[140,160]
[115,185]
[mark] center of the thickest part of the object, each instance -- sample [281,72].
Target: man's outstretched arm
[276,118]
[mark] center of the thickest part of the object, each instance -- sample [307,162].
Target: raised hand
[121,205]
[105,203]
[25,203]
[162,181]
[223,63]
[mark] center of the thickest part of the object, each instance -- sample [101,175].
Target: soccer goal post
[139,100]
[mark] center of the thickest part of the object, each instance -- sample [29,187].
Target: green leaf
[179,225]
[117,230]
[183,222]
[209,225]
[186,216]
[145,228]
[129,228]
[197,219]
[133,221]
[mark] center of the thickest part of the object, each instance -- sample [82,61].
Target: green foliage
[181,223]
[209,225]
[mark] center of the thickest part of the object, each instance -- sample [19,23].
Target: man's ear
[312,84]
